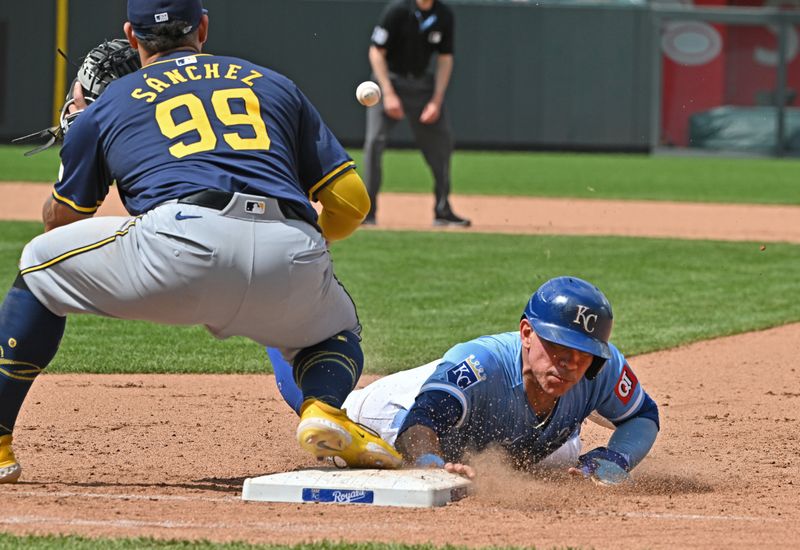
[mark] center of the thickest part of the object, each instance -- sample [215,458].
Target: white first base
[410,488]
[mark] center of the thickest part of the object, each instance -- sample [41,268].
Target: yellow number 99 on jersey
[199,122]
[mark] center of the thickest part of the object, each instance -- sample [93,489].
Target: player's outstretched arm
[420,448]
[419,441]
[628,445]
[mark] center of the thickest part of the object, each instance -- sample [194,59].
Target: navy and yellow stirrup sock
[329,370]
[29,338]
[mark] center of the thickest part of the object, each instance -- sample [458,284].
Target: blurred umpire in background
[408,33]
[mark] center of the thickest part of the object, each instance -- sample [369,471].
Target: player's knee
[34,253]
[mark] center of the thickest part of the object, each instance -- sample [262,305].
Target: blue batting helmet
[573,313]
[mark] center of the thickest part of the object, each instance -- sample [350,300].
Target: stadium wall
[569,77]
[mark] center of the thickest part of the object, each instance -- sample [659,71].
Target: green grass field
[420,293]
[760,181]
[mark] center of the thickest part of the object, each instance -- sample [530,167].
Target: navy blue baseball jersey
[190,122]
[485,376]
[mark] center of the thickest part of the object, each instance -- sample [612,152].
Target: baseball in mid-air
[368,93]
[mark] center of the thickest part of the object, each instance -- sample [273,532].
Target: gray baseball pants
[244,270]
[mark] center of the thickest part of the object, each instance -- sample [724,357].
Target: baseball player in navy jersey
[217,160]
[527,390]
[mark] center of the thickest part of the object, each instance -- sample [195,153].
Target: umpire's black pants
[434,140]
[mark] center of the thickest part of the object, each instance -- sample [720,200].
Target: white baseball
[368,93]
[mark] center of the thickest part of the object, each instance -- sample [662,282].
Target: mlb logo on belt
[255,207]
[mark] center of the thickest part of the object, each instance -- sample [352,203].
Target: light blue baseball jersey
[485,376]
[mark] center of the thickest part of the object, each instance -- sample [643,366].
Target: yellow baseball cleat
[10,470]
[325,431]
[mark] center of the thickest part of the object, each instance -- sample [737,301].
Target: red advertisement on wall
[708,65]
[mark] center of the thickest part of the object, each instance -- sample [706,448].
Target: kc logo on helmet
[588,322]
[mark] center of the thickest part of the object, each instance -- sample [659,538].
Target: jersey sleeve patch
[626,384]
[379,36]
[467,373]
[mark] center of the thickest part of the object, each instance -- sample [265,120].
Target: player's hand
[603,466]
[460,469]
[430,113]
[80,99]
[392,106]
[433,460]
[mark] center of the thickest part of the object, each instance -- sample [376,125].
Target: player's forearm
[417,441]
[634,439]
[55,214]
[377,60]
[433,414]
[444,70]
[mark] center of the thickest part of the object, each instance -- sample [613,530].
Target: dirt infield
[166,455]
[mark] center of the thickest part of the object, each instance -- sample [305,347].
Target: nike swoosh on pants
[180,216]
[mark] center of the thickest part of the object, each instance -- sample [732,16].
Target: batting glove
[604,466]
[429,460]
